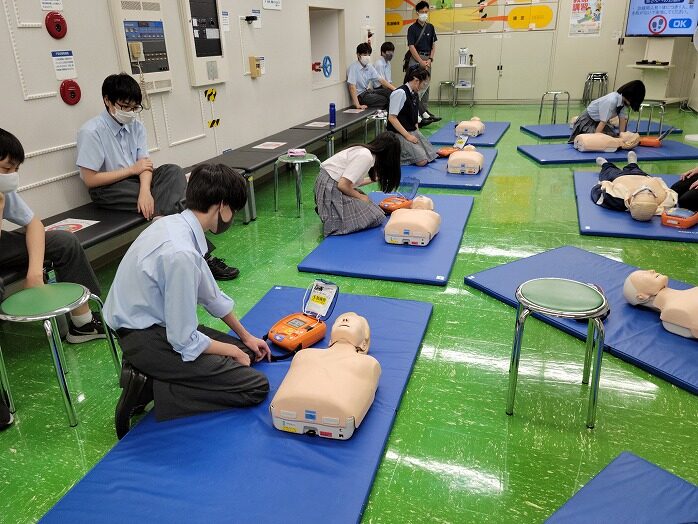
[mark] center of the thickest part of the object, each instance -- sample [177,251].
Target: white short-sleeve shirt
[352,163]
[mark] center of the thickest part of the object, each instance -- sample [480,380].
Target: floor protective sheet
[435,174]
[494,131]
[546,154]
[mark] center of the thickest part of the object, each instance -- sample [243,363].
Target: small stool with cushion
[296,162]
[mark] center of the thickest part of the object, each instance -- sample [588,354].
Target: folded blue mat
[631,490]
[494,131]
[233,466]
[549,131]
[366,254]
[598,221]
[435,173]
[633,334]
[566,154]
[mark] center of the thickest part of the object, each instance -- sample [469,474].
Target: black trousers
[609,172]
[375,98]
[63,250]
[688,198]
[209,383]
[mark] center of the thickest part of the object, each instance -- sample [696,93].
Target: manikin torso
[604,143]
[467,161]
[420,220]
[625,187]
[337,383]
[472,127]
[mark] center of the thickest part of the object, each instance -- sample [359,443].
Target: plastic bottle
[333,115]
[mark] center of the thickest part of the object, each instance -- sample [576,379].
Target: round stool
[555,95]
[46,303]
[651,105]
[442,84]
[296,162]
[595,82]
[379,119]
[559,297]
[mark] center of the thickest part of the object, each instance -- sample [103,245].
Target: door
[525,63]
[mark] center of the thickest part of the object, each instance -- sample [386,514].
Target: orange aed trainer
[679,217]
[304,329]
[655,141]
[409,187]
[446,151]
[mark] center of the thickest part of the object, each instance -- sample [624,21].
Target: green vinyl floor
[453,454]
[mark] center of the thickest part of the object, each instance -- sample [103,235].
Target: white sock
[600,161]
[632,157]
[81,320]
[425,115]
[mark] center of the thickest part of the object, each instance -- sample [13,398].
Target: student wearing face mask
[32,246]
[382,63]
[361,77]
[186,367]
[115,166]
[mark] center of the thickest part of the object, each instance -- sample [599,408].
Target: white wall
[249,109]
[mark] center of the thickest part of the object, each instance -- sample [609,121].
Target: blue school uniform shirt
[384,71]
[160,281]
[604,108]
[105,145]
[361,76]
[16,210]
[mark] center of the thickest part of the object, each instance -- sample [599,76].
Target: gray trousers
[375,98]
[209,383]
[168,188]
[63,251]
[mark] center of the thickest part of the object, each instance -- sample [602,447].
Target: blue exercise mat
[435,173]
[631,490]
[633,334]
[366,254]
[599,221]
[233,466]
[494,131]
[567,154]
[549,131]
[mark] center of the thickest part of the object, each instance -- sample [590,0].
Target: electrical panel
[204,42]
[140,41]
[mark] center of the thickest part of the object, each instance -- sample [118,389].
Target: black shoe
[137,391]
[221,270]
[94,329]
[6,418]
[425,122]
[434,118]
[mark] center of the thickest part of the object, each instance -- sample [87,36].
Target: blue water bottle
[333,115]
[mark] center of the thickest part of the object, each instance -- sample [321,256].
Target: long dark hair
[634,92]
[386,171]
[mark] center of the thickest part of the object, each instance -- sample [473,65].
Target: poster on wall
[585,18]
[272,4]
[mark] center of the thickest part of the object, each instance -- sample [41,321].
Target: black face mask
[222,225]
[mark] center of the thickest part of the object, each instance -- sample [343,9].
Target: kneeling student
[31,247]
[403,114]
[152,306]
[342,206]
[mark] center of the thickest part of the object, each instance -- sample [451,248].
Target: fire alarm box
[257,66]
[203,41]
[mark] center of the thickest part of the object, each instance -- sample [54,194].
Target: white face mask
[9,182]
[364,60]
[423,17]
[124,117]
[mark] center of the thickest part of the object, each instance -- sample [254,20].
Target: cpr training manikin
[607,144]
[644,196]
[472,127]
[327,392]
[467,161]
[678,309]
[414,226]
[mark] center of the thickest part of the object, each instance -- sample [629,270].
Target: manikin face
[648,282]
[643,205]
[422,202]
[351,328]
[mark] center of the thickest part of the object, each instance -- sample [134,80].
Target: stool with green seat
[45,303]
[296,162]
[563,298]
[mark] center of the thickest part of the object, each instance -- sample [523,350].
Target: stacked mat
[545,154]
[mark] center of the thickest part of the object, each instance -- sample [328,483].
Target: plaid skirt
[342,214]
[586,124]
[412,153]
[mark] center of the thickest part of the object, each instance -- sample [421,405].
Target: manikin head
[642,285]
[423,202]
[629,140]
[643,204]
[351,328]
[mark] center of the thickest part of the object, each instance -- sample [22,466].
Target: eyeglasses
[135,108]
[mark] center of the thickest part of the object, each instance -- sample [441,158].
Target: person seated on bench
[416,225]
[152,307]
[361,76]
[604,143]
[631,189]
[677,308]
[382,64]
[338,383]
[597,115]
[342,206]
[687,189]
[403,114]
[115,166]
[30,247]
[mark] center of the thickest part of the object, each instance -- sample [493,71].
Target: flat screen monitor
[662,18]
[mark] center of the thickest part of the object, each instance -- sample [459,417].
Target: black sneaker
[6,418]
[93,330]
[434,118]
[221,270]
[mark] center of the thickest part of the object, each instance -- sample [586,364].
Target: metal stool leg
[276,186]
[110,335]
[589,352]
[596,375]
[5,393]
[540,109]
[365,130]
[521,315]
[553,117]
[567,120]
[299,176]
[662,111]
[54,339]
[649,122]
[330,145]
[639,119]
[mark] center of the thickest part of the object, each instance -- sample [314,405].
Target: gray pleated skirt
[586,124]
[342,214]
[412,153]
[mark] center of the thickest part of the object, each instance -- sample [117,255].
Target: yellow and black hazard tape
[214,123]
[210,95]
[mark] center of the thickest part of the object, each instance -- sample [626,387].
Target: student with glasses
[117,170]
